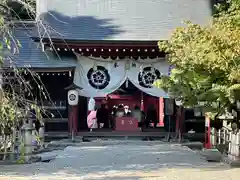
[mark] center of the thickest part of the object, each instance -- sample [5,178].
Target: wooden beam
[63,69]
[56,70]
[108,43]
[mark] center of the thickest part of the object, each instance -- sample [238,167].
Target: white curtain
[161,65]
[117,76]
[119,71]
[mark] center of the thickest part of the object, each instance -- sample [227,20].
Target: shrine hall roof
[133,20]
[113,20]
[31,55]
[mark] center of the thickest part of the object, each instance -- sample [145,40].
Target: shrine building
[102,48]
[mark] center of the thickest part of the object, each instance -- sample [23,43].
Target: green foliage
[22,10]
[206,60]
[16,96]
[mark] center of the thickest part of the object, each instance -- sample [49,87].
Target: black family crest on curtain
[98,78]
[147,77]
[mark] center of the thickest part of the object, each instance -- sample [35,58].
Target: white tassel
[91,104]
[94,66]
[43,47]
[152,69]
[141,70]
[126,85]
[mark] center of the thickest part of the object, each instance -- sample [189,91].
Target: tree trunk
[13,143]
[1,85]
[5,143]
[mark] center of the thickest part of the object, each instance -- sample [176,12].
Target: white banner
[99,77]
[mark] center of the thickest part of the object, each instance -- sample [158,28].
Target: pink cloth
[92,119]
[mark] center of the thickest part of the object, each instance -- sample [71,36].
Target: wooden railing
[228,139]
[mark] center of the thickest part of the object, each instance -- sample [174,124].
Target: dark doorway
[82,113]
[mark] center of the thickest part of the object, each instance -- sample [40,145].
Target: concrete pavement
[123,160]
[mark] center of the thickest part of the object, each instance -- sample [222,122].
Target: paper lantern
[178,102]
[73,97]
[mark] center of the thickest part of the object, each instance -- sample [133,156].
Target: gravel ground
[123,161]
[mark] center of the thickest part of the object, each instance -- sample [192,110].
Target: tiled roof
[120,19]
[126,20]
[31,55]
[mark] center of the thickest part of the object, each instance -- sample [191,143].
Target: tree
[16,96]
[206,61]
[21,9]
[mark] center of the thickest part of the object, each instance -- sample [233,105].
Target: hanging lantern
[178,102]
[73,97]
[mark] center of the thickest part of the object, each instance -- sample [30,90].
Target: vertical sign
[169,106]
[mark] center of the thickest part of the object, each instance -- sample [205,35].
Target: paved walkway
[123,161]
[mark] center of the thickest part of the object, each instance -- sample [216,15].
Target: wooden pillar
[180,119]
[178,116]
[73,112]
[73,119]
[207,143]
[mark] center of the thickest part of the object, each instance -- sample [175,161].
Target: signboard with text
[169,106]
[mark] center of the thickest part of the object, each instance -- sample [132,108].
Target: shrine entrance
[127,97]
[123,83]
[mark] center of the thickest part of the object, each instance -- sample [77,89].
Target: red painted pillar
[161,111]
[73,119]
[207,143]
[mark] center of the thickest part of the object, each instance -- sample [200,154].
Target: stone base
[223,148]
[33,159]
[193,145]
[47,157]
[233,158]
[232,161]
[212,155]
